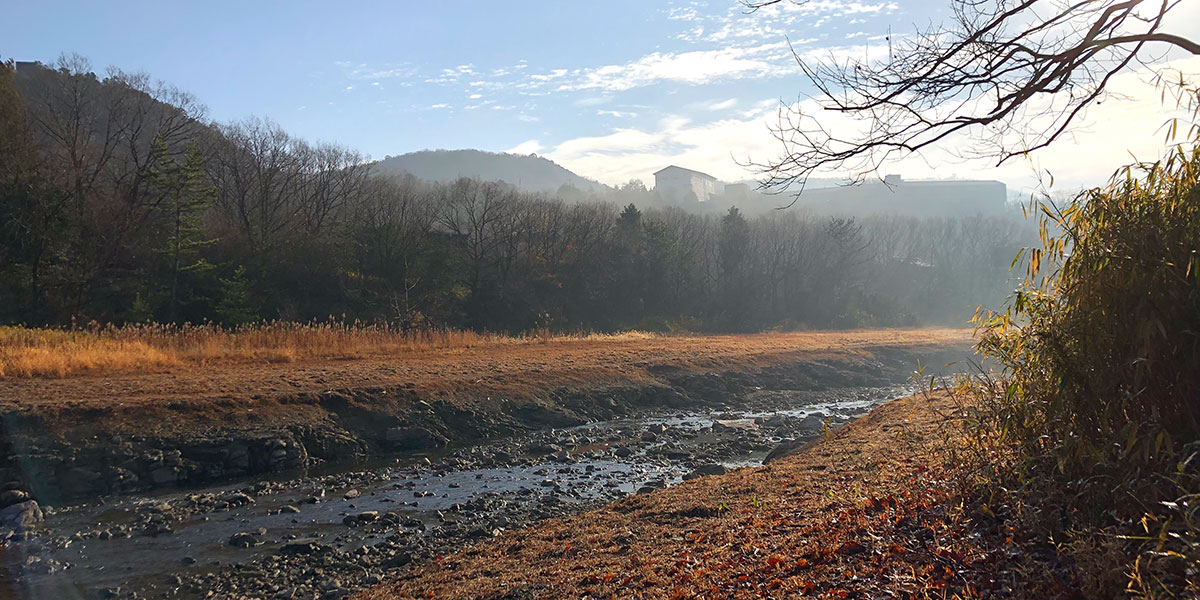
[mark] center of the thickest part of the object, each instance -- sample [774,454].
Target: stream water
[324,536]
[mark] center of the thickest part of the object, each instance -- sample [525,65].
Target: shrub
[1099,401]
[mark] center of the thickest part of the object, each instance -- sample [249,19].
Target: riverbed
[325,535]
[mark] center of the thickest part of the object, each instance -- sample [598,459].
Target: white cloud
[721,105]
[385,71]
[526,147]
[527,118]
[683,13]
[695,67]
[1087,157]
[620,114]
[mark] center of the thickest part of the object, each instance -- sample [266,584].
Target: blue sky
[613,89]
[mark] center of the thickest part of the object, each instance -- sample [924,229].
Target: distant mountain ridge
[527,172]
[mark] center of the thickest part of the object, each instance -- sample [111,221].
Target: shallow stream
[324,536]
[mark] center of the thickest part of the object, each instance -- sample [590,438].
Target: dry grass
[26,352]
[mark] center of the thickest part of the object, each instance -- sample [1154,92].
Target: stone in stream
[306,545]
[22,515]
[246,539]
[704,471]
[366,516]
[813,421]
[731,425]
[623,452]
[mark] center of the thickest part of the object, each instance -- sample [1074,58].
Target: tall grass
[26,352]
[1097,419]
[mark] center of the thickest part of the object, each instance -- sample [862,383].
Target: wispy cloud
[620,114]
[384,71]
[695,67]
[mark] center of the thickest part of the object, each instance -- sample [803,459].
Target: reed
[27,352]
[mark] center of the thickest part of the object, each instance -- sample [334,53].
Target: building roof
[689,171]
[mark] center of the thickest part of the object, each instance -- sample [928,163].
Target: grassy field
[26,352]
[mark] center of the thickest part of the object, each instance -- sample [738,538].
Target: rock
[784,448]
[350,494]
[22,516]
[289,509]
[81,481]
[399,560]
[412,438]
[658,428]
[164,475]
[11,497]
[704,471]
[244,540]
[363,517]
[308,545]
[812,421]
[623,452]
[240,499]
[649,436]
[730,425]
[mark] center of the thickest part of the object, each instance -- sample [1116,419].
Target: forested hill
[530,173]
[120,201]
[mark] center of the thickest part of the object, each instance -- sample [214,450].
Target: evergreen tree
[236,305]
[186,198]
[734,247]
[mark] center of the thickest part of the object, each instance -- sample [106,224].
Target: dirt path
[861,514]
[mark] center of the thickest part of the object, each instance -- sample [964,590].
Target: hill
[527,172]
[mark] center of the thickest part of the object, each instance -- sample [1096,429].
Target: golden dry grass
[26,352]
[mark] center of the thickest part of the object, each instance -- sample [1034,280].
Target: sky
[612,90]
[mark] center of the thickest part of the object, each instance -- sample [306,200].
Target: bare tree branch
[1014,75]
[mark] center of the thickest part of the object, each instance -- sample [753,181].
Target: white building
[677,185]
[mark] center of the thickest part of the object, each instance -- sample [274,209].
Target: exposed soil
[188,399]
[89,435]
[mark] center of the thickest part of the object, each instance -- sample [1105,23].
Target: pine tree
[187,196]
[236,305]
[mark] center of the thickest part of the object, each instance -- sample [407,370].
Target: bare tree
[258,169]
[1014,75]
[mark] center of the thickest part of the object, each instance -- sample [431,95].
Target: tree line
[120,202]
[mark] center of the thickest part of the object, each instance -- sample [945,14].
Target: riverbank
[83,436]
[865,512]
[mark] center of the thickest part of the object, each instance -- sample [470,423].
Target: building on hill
[738,191]
[680,186]
[895,195]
